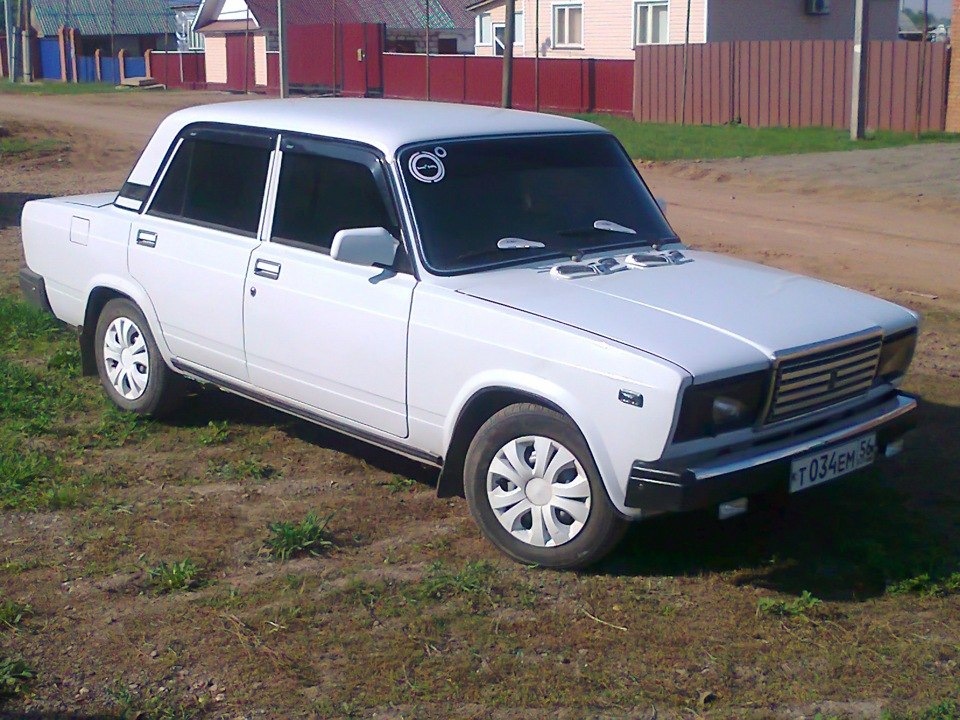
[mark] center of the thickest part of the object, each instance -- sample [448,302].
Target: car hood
[711,315]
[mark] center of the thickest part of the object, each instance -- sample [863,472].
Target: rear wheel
[535,492]
[131,369]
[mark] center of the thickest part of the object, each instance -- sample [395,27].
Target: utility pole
[686,49]
[27,64]
[536,55]
[858,96]
[426,49]
[921,69]
[8,27]
[508,22]
[282,42]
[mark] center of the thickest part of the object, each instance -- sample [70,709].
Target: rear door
[319,331]
[191,248]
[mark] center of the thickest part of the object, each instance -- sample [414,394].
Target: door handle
[146,238]
[267,269]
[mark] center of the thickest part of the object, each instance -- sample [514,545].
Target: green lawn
[57,88]
[656,141]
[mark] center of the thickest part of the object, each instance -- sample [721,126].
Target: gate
[343,58]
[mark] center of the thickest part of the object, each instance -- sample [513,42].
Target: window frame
[225,134]
[481,17]
[565,8]
[636,26]
[301,144]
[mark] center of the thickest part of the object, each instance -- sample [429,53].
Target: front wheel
[535,492]
[131,369]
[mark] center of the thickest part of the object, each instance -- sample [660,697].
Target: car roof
[384,124]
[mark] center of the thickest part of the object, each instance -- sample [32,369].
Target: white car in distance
[492,292]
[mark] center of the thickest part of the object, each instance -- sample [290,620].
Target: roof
[906,25]
[385,124]
[405,14]
[96,17]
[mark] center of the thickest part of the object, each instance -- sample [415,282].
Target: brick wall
[953,91]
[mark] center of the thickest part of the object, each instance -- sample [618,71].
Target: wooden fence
[793,83]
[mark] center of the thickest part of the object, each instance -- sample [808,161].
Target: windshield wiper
[506,243]
[603,225]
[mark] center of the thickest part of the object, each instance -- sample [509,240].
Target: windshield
[481,203]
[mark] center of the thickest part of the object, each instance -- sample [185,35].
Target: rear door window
[215,182]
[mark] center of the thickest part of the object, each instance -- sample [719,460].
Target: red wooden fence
[792,83]
[179,70]
[564,85]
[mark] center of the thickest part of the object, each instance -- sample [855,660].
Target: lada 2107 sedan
[492,292]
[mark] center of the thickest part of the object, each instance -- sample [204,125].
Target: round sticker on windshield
[427,167]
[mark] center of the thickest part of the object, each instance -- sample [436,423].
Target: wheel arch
[479,408]
[100,293]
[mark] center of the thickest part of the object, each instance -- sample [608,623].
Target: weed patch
[175,576]
[288,539]
[12,613]
[797,607]
[246,469]
[399,483]
[474,579]
[148,706]
[216,432]
[927,585]
[15,675]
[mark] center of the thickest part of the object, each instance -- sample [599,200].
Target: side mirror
[365,246]
[662,204]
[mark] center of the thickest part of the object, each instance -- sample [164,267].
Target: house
[612,28]
[224,22]
[133,26]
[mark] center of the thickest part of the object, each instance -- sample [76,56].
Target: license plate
[824,465]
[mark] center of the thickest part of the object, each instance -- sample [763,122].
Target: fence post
[121,70]
[61,39]
[146,62]
[96,64]
[73,54]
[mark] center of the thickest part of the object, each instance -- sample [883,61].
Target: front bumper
[34,290]
[672,487]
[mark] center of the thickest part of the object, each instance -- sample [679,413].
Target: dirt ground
[674,636]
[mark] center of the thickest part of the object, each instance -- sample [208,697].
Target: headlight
[896,354]
[720,406]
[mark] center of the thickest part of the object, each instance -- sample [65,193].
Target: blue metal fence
[134,67]
[49,58]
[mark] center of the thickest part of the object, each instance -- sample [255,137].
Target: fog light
[733,508]
[894,448]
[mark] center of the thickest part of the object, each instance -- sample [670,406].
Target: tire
[131,370]
[553,513]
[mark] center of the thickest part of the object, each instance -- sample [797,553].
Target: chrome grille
[821,378]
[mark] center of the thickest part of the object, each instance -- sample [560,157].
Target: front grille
[821,378]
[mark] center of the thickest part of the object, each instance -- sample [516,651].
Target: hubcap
[538,491]
[125,358]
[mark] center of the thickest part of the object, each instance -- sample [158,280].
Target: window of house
[650,22]
[318,196]
[568,25]
[215,183]
[272,38]
[500,32]
[484,29]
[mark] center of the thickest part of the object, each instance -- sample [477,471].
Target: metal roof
[104,17]
[406,14]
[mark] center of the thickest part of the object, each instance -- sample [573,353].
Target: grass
[662,142]
[927,585]
[23,148]
[289,539]
[50,87]
[175,576]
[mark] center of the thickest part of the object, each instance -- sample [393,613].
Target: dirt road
[884,220]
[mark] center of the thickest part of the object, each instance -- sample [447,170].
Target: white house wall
[260,59]
[215,56]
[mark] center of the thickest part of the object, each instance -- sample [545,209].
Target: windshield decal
[427,167]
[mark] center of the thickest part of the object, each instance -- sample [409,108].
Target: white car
[492,292]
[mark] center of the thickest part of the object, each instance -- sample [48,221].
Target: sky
[940,8]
